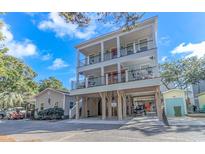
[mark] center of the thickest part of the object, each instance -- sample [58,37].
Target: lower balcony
[115,81]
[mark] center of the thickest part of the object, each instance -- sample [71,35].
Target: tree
[183,72]
[16,78]
[3,50]
[18,83]
[170,73]
[122,19]
[194,70]
[51,82]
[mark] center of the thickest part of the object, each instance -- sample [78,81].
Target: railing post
[126,75]
[134,47]
[86,82]
[138,46]
[88,60]
[102,51]
[106,79]
[102,76]
[118,46]
[119,72]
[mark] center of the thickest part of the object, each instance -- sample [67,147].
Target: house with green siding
[201,98]
[175,103]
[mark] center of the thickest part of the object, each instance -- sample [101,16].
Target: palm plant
[11,99]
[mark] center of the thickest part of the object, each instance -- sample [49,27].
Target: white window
[143,44]
[129,48]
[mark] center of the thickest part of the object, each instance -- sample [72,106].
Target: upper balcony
[132,48]
[102,50]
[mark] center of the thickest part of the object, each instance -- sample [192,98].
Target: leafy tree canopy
[16,78]
[51,82]
[183,72]
[122,19]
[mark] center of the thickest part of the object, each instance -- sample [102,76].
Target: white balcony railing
[124,51]
[108,79]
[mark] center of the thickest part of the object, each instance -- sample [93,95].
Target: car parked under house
[50,98]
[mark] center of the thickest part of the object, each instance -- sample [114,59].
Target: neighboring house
[50,98]
[201,99]
[197,89]
[175,103]
[118,72]
[188,92]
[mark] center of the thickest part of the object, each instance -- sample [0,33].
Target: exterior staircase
[72,111]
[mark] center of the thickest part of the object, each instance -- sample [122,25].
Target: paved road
[137,129]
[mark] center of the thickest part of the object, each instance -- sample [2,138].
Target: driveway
[132,130]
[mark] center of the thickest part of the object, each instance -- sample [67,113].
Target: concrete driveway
[136,129]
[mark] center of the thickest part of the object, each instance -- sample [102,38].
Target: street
[85,130]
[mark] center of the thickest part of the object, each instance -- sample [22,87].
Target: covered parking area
[118,104]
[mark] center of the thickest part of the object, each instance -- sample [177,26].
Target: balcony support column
[126,75]
[77,115]
[86,82]
[102,76]
[130,106]
[158,103]
[119,105]
[119,72]
[103,98]
[106,79]
[85,108]
[118,46]
[134,47]
[102,51]
[88,60]
[78,64]
[109,105]
[124,111]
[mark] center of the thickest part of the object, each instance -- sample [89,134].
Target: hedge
[51,113]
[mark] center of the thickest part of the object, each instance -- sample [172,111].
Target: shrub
[51,113]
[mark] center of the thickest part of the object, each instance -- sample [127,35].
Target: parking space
[135,129]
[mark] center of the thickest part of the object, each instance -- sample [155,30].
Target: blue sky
[46,43]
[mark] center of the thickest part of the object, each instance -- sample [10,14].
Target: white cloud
[190,49]
[46,57]
[58,63]
[61,28]
[164,58]
[57,24]
[17,49]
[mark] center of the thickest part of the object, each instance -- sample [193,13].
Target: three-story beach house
[117,74]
